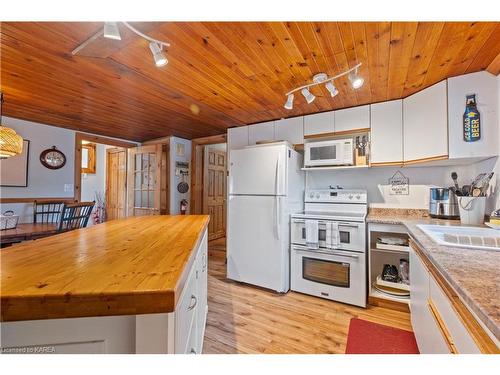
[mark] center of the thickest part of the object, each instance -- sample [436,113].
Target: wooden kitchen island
[136,285]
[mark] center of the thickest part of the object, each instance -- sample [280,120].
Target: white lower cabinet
[437,327]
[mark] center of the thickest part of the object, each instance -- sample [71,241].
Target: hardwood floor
[246,319]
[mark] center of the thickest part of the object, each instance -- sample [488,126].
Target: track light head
[158,56]
[111,31]
[289,102]
[356,80]
[307,94]
[331,88]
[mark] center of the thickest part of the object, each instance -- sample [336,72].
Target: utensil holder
[472,210]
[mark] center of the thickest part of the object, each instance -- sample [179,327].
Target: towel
[312,234]
[335,235]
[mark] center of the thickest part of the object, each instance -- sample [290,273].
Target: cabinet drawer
[185,312]
[459,335]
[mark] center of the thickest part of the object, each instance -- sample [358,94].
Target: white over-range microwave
[331,152]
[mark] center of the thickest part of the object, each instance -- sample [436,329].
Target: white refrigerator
[265,186]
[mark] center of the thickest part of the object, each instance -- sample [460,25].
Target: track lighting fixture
[331,88]
[356,80]
[111,31]
[158,55]
[289,102]
[309,97]
[322,78]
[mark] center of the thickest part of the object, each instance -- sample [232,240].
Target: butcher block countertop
[130,266]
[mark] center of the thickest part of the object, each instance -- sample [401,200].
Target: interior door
[116,183]
[144,180]
[214,191]
[258,170]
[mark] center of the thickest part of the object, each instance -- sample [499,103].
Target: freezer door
[258,242]
[258,171]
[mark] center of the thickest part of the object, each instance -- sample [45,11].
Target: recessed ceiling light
[289,102]
[111,31]
[159,57]
[307,94]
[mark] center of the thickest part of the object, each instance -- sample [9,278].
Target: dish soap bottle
[472,122]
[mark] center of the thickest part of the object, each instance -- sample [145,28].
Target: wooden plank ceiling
[221,74]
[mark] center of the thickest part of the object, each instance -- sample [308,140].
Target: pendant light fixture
[156,46]
[11,144]
[321,78]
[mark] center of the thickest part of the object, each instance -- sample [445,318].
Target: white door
[319,123]
[258,171]
[352,118]
[256,252]
[425,124]
[290,129]
[387,132]
[261,132]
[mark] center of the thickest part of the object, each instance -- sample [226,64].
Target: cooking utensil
[454,177]
[466,190]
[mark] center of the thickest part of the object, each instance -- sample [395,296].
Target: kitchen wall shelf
[335,167]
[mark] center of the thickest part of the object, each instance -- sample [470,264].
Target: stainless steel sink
[469,237]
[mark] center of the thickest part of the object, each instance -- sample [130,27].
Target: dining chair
[47,211]
[75,215]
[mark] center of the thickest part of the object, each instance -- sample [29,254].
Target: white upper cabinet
[484,86]
[425,123]
[290,129]
[352,118]
[261,132]
[237,137]
[387,132]
[319,123]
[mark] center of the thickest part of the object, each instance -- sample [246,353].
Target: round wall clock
[52,158]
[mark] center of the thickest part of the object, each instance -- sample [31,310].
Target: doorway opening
[209,185]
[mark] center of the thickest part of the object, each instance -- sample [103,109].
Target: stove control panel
[336,196]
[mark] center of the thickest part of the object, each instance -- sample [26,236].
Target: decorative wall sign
[14,170]
[472,120]
[399,184]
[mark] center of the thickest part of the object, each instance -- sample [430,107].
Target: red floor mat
[371,338]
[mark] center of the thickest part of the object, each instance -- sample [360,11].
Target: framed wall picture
[14,170]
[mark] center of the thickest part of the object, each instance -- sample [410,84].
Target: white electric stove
[328,245]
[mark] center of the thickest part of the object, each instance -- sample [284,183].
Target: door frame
[79,137]
[197,155]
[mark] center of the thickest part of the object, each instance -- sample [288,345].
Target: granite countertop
[473,274]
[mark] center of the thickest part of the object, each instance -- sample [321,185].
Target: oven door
[335,275]
[344,235]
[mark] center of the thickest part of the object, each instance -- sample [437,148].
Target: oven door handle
[300,221]
[338,253]
[348,225]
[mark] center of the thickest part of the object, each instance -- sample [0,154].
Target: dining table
[27,231]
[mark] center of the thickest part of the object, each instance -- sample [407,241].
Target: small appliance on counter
[443,204]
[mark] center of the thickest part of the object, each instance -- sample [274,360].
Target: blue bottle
[472,122]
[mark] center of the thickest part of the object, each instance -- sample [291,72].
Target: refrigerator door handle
[278,215]
[277,176]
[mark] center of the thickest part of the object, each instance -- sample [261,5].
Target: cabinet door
[237,137]
[319,123]
[352,118]
[426,331]
[425,124]
[202,284]
[290,129]
[261,132]
[484,85]
[387,132]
